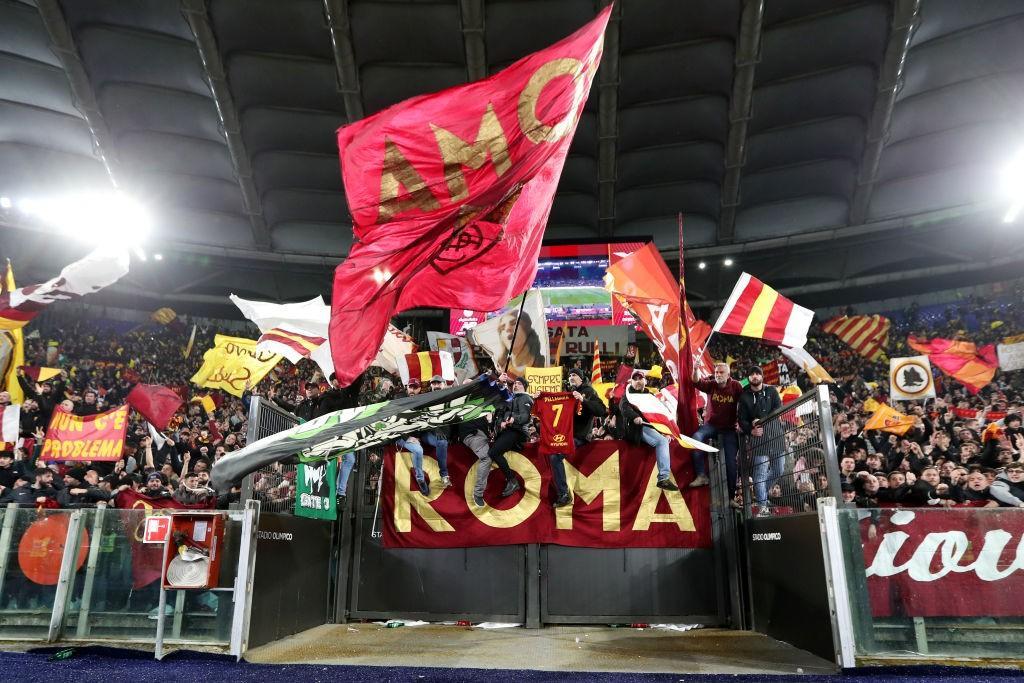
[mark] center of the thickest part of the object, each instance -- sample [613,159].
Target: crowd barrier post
[10,515]
[82,628]
[841,611]
[67,569]
[242,592]
[828,440]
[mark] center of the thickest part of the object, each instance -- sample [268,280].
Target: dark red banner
[616,503]
[945,563]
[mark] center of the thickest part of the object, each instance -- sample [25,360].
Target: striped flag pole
[595,366]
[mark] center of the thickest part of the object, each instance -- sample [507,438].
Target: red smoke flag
[155,403]
[756,310]
[960,359]
[450,192]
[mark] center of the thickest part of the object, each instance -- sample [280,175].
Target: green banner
[315,489]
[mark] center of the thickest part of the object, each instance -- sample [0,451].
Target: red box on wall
[193,551]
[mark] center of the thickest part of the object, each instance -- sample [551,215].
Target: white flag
[911,378]
[10,423]
[808,363]
[298,331]
[530,348]
[98,269]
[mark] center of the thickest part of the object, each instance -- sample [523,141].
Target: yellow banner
[544,379]
[233,362]
[890,420]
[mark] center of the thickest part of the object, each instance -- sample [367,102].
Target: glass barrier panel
[943,582]
[31,550]
[115,592]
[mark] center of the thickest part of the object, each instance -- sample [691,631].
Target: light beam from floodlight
[111,217]
[1012,186]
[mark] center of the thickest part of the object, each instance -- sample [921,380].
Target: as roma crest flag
[450,192]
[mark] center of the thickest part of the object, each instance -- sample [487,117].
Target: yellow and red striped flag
[868,335]
[756,310]
[595,366]
[425,364]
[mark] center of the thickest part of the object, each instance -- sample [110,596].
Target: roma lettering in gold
[407,500]
[603,481]
[527,505]
[647,515]
[397,174]
[456,152]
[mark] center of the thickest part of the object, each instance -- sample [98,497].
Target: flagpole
[515,332]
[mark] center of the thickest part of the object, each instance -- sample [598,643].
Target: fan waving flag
[756,310]
[450,193]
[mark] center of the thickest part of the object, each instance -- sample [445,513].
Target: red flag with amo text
[450,192]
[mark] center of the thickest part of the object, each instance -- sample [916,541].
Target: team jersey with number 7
[556,412]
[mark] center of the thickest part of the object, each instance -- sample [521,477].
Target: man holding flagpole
[637,431]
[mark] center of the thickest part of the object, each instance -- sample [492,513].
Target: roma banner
[544,379]
[616,502]
[945,563]
[450,193]
[232,362]
[353,429]
[146,557]
[99,438]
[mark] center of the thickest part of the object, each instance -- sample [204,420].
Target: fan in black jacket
[757,402]
[593,406]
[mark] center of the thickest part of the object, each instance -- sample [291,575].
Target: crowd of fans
[954,454]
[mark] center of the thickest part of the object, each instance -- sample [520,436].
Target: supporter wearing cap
[849,493]
[512,420]
[719,422]
[756,403]
[637,432]
[156,486]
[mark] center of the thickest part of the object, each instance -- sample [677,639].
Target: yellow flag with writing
[232,363]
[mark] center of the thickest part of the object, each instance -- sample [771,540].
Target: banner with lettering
[945,563]
[315,489]
[616,502]
[232,362]
[96,438]
[544,379]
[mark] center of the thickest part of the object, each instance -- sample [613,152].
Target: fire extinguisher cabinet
[193,550]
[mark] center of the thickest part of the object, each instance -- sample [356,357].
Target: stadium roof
[839,150]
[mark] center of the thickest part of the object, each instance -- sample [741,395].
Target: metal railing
[272,485]
[793,461]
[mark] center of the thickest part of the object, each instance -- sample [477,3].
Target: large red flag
[450,193]
[155,403]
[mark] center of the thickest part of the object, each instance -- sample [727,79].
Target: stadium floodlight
[702,265]
[110,218]
[727,262]
[1012,186]
[6,203]
[158,257]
